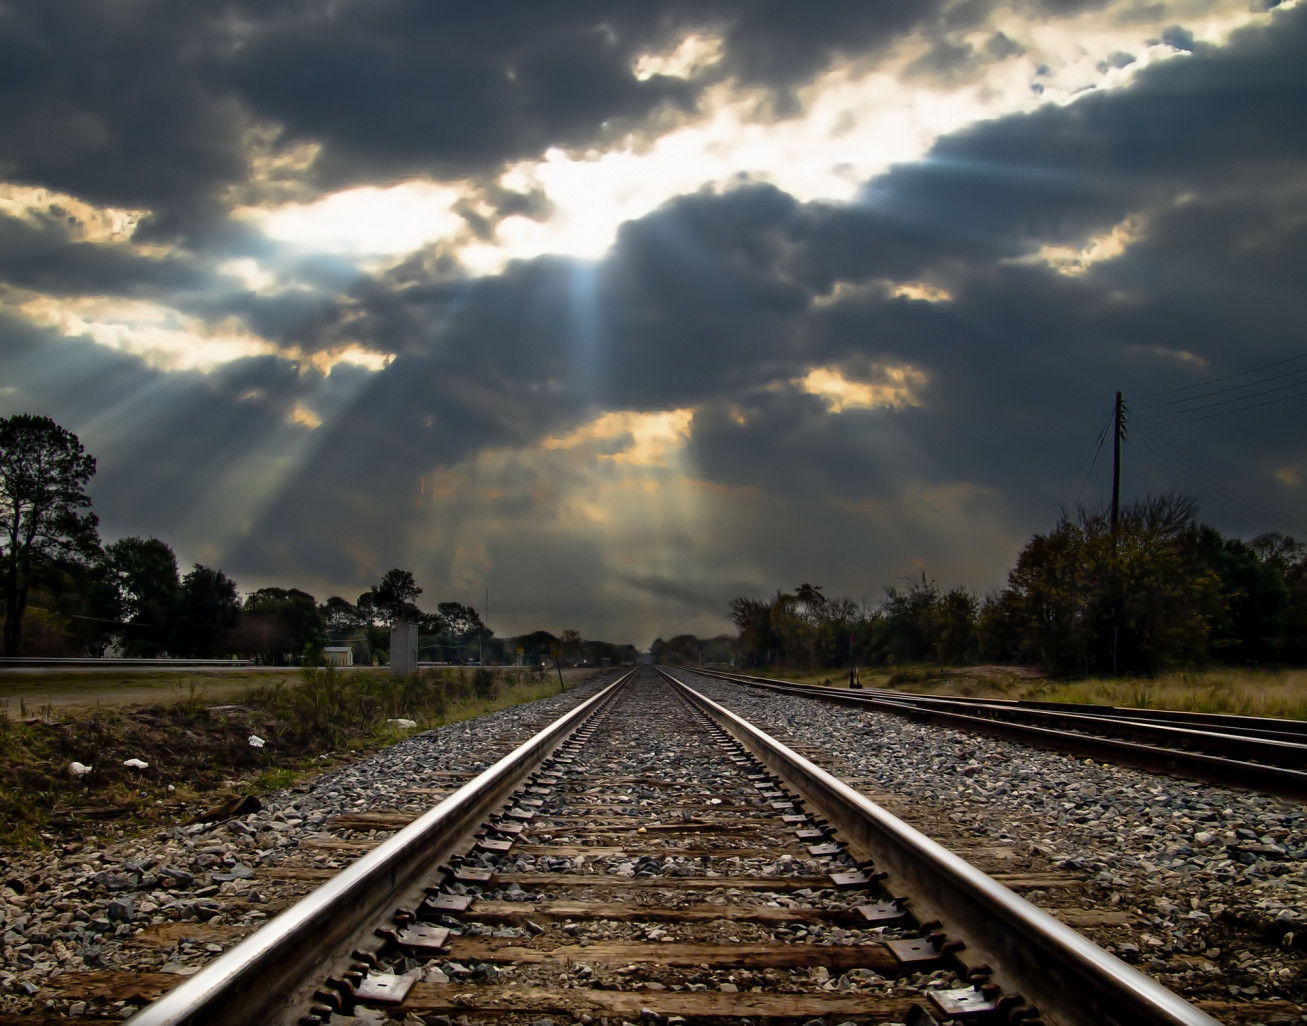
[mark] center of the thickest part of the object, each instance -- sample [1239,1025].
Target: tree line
[66,593]
[1160,591]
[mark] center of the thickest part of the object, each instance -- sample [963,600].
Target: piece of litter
[256,741]
[136,763]
[78,770]
[403,723]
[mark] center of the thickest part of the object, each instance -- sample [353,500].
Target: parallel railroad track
[652,855]
[1257,753]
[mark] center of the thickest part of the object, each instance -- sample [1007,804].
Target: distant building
[338,655]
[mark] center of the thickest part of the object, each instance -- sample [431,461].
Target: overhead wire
[1225,402]
[1092,455]
[1102,437]
[1221,391]
[1161,422]
[1165,453]
[1227,377]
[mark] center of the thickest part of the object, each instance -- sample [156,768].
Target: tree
[378,639]
[280,623]
[911,620]
[955,624]
[395,595]
[1085,598]
[207,610]
[44,509]
[570,644]
[459,622]
[339,618]
[143,586]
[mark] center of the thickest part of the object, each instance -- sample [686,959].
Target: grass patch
[198,748]
[1278,693]
[1243,692]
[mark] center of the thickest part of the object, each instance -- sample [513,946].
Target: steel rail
[1247,726]
[254,980]
[1290,732]
[1063,973]
[1216,769]
[1213,742]
[1287,742]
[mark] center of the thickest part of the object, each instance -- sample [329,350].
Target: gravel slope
[1215,879]
[122,907]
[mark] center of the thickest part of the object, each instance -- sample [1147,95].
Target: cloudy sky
[622,308]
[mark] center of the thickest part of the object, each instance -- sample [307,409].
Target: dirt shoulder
[198,749]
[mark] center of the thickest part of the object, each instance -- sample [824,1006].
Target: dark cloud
[45,252]
[1178,37]
[723,302]
[109,102]
[1003,47]
[150,105]
[1119,59]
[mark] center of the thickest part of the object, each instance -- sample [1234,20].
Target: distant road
[94,682]
[137,669]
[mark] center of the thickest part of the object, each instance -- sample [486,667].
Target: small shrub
[483,683]
[915,675]
[457,689]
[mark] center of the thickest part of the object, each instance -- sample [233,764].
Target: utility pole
[1116,465]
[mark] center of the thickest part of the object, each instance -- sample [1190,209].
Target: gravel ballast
[1215,879]
[173,900]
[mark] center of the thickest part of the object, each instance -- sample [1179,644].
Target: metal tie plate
[441,902]
[964,1002]
[383,988]
[913,952]
[472,874]
[511,829]
[810,835]
[794,817]
[781,806]
[525,815]
[857,878]
[532,803]
[822,850]
[882,912]
[423,937]
[494,844]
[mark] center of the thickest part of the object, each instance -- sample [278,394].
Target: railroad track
[1256,753]
[651,855]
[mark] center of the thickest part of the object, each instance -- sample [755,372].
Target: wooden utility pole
[1116,465]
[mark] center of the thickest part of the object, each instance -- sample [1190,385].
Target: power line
[1227,377]
[1226,413]
[1094,448]
[1165,453]
[1223,402]
[1094,462]
[1162,451]
[1222,391]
